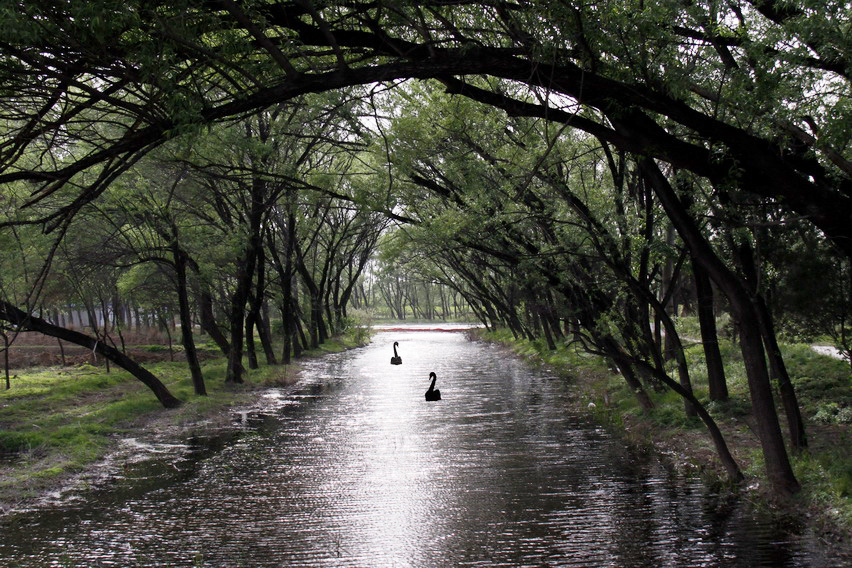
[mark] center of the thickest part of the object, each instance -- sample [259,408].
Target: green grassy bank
[57,421]
[825,395]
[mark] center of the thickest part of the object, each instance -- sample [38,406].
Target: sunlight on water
[352,467]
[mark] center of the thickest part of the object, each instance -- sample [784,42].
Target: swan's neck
[432,386]
[394,351]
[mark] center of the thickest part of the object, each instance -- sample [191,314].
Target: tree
[28,322]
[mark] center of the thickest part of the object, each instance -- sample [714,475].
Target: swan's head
[432,375]
[396,343]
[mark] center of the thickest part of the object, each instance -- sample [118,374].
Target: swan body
[433,393]
[396,359]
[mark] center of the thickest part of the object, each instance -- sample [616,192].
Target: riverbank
[59,423]
[822,384]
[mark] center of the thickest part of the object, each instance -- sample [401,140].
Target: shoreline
[165,426]
[41,476]
[690,450]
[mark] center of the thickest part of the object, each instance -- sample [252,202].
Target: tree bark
[245,275]
[265,334]
[777,368]
[6,359]
[189,350]
[777,462]
[236,319]
[730,465]
[208,320]
[251,353]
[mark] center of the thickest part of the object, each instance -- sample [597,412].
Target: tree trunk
[287,347]
[728,462]
[545,326]
[236,319]
[778,468]
[245,275]
[668,298]
[208,320]
[777,368]
[6,360]
[251,354]
[285,276]
[18,317]
[635,385]
[716,381]
[265,334]
[191,354]
[163,316]
[303,344]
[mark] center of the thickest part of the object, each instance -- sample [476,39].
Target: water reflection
[353,468]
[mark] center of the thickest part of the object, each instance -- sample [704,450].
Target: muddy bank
[42,473]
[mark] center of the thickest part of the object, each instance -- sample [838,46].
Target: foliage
[822,382]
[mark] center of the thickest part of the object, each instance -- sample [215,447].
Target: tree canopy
[751,95]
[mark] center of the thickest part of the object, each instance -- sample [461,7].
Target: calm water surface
[351,467]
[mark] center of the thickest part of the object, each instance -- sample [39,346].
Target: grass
[822,386]
[56,421]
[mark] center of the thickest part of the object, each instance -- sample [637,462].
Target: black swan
[396,359]
[433,393]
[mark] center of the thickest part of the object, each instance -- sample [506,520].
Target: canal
[352,467]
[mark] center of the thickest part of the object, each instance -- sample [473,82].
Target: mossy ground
[824,389]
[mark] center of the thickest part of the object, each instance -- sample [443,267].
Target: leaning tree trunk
[237,312]
[6,359]
[265,334]
[777,368]
[245,269]
[208,320]
[189,350]
[728,462]
[777,462]
[317,326]
[251,352]
[25,321]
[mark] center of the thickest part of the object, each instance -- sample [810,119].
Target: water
[351,467]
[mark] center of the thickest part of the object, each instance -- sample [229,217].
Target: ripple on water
[351,467]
